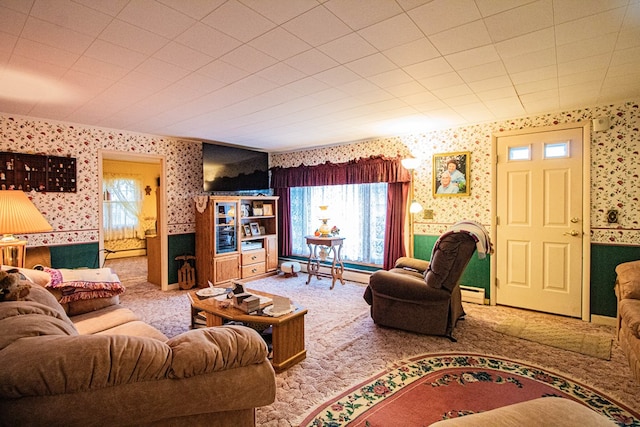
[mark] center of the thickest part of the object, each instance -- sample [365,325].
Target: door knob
[572,233]
[574,220]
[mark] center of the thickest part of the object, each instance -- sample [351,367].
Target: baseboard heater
[471,294]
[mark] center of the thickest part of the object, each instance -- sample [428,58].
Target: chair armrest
[628,280]
[405,287]
[207,350]
[416,264]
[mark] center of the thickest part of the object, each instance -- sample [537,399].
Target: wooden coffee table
[288,330]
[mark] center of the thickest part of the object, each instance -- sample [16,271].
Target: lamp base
[13,252]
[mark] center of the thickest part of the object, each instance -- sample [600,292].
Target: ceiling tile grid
[279,75]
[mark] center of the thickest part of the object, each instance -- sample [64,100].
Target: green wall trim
[75,256]
[604,259]
[179,244]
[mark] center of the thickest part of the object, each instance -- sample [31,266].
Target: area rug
[429,388]
[590,344]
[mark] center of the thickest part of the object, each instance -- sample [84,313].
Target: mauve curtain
[360,171]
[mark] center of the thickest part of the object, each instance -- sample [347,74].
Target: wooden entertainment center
[236,238]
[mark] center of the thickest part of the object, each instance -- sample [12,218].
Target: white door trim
[161,160]
[586,206]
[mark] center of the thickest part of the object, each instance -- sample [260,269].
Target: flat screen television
[228,169]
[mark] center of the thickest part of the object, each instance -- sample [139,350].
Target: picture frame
[247,230]
[257,208]
[267,209]
[255,228]
[451,174]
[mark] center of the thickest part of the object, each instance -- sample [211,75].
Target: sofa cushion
[102,320]
[629,279]
[51,365]
[201,351]
[630,314]
[136,328]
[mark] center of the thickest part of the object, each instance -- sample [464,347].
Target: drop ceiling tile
[496,94]
[391,78]
[280,11]
[71,15]
[584,64]
[194,9]
[626,56]
[12,21]
[249,59]
[535,74]
[484,72]
[537,86]
[405,89]
[371,65]
[358,15]
[281,74]
[412,53]
[135,38]
[570,10]
[440,15]
[507,108]
[357,87]
[392,32]
[159,68]
[112,7]
[457,39]
[473,57]
[280,44]
[596,75]
[223,72]
[348,48]
[533,42]
[337,76]
[590,27]
[519,21]
[430,68]
[182,56]
[311,62]
[113,54]
[420,98]
[441,81]
[41,52]
[307,86]
[492,7]
[586,48]
[411,4]
[54,35]
[541,58]
[493,83]
[238,21]
[628,38]
[208,40]
[7,43]
[198,82]
[475,112]
[98,69]
[460,93]
[156,17]
[317,26]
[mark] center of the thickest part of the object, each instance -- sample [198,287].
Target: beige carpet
[344,347]
[595,345]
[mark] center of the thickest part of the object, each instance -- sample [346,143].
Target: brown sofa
[103,366]
[628,295]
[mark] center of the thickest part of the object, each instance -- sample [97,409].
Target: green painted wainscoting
[477,274]
[604,259]
[85,254]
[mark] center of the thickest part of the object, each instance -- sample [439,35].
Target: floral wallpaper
[615,168]
[74,216]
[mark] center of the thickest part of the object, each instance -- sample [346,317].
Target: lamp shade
[18,215]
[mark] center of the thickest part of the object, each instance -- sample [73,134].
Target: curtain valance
[361,171]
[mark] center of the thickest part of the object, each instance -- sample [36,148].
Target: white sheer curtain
[358,210]
[122,212]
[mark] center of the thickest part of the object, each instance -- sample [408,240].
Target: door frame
[586,206]
[160,160]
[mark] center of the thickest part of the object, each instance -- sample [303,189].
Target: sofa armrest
[207,350]
[405,287]
[415,264]
[628,280]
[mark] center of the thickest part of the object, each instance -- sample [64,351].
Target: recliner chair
[424,296]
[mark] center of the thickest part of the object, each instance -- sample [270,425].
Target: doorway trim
[586,205]
[161,160]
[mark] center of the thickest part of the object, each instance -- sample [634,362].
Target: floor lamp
[17,216]
[411,164]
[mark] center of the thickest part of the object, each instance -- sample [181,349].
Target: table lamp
[18,215]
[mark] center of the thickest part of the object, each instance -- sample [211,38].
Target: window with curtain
[122,210]
[358,210]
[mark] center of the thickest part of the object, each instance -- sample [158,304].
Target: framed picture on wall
[451,174]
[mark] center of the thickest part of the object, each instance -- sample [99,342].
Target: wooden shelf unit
[224,251]
[26,172]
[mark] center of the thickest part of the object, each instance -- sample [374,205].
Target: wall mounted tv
[228,169]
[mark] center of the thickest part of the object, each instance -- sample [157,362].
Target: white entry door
[539,225]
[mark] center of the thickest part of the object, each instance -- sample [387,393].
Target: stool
[290,268]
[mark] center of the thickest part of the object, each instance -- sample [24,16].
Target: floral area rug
[430,388]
